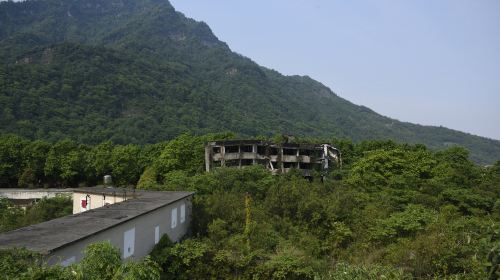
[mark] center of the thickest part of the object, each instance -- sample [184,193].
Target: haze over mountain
[426,62]
[140,72]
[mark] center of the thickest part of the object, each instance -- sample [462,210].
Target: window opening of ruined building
[289,164]
[216,150]
[232,149]
[316,153]
[304,152]
[262,161]
[261,150]
[234,162]
[273,151]
[247,149]
[246,162]
[216,163]
[303,165]
[290,152]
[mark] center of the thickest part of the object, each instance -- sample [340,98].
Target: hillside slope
[137,71]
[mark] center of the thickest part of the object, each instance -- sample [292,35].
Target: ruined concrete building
[276,157]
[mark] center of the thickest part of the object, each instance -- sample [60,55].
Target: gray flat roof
[48,236]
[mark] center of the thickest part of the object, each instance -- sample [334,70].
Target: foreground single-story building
[132,221]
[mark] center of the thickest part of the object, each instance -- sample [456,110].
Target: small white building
[25,197]
[91,198]
[132,221]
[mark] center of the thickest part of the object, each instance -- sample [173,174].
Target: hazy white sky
[423,61]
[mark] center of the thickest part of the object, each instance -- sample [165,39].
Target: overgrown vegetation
[393,211]
[66,163]
[101,262]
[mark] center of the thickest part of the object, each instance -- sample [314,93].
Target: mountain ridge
[158,73]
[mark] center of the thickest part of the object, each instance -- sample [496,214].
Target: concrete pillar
[254,150]
[208,157]
[280,159]
[297,154]
[223,154]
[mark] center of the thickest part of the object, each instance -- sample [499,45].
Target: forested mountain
[137,71]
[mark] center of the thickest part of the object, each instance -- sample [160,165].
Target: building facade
[275,157]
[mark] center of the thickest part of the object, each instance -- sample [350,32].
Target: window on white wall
[183,213]
[157,234]
[174,218]
[128,243]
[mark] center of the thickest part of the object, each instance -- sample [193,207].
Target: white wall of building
[93,201]
[135,238]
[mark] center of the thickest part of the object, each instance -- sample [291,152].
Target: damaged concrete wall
[276,157]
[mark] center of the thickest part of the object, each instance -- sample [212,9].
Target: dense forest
[392,211]
[138,72]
